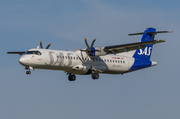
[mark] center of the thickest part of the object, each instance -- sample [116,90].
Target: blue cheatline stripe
[138,64]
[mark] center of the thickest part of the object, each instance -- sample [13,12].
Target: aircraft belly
[113,72]
[85,68]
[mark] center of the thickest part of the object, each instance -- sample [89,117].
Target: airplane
[116,59]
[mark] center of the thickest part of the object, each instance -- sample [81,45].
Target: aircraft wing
[128,47]
[20,53]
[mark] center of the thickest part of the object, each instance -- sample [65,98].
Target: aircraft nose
[22,61]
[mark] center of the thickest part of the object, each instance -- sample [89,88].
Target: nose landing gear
[28,72]
[28,68]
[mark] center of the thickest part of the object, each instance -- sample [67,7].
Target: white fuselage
[76,62]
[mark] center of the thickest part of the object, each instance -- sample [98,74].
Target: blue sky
[149,93]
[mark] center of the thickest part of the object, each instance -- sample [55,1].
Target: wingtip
[170,31]
[160,40]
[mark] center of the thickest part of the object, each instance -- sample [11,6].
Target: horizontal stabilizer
[150,33]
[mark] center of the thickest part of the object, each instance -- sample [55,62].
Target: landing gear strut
[72,77]
[95,76]
[28,68]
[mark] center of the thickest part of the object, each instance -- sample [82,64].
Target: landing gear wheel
[95,76]
[28,72]
[27,68]
[71,77]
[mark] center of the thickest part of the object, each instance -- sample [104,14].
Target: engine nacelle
[99,51]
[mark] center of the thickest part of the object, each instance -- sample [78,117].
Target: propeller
[42,46]
[48,46]
[89,50]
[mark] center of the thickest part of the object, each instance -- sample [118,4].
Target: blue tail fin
[145,53]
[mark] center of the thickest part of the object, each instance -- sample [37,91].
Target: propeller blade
[93,61]
[41,44]
[89,49]
[48,46]
[82,50]
[86,43]
[93,43]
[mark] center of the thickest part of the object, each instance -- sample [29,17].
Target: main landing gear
[72,77]
[95,76]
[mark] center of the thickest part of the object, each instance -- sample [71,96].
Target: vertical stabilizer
[145,53]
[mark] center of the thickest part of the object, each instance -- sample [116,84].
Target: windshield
[33,52]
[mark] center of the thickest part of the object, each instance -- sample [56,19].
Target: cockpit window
[33,52]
